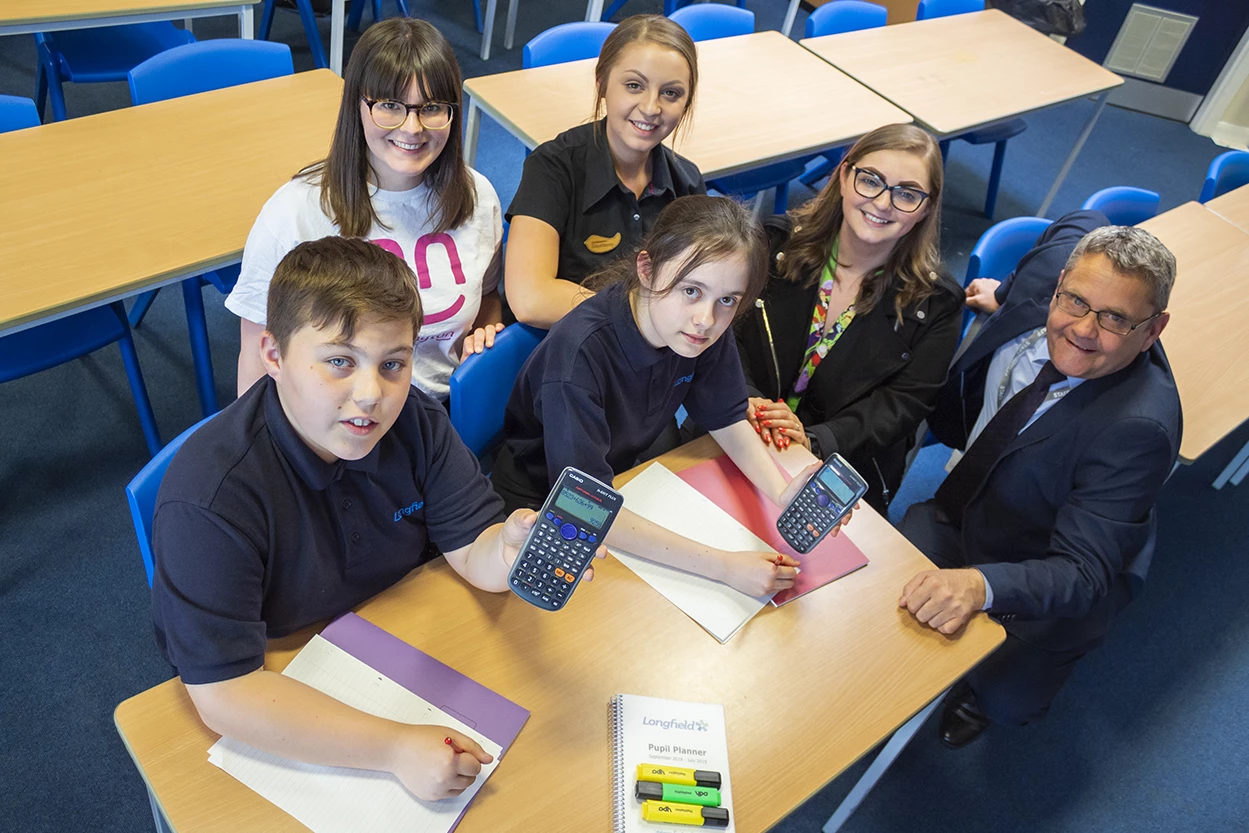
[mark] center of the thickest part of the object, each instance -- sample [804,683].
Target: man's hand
[516,529]
[432,769]
[944,600]
[479,340]
[980,297]
[757,573]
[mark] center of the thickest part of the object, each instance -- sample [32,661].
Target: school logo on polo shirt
[683,379]
[408,510]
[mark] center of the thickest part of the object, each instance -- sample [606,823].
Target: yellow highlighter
[679,775]
[666,812]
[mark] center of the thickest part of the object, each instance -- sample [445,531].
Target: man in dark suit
[1071,421]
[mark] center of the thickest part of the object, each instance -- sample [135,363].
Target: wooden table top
[761,98]
[954,73]
[822,680]
[21,12]
[1233,207]
[101,207]
[1206,337]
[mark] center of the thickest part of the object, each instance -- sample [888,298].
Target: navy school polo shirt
[595,395]
[570,183]
[255,537]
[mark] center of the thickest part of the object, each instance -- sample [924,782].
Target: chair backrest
[566,42]
[1000,248]
[1124,205]
[928,9]
[482,384]
[845,16]
[208,65]
[17,113]
[1228,171]
[708,21]
[141,494]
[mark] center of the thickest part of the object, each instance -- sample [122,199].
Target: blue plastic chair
[1124,205]
[482,384]
[86,56]
[565,42]
[709,21]
[142,490]
[309,19]
[76,335]
[1002,246]
[1228,171]
[845,16]
[929,9]
[186,70]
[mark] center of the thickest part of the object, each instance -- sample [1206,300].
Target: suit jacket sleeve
[1104,522]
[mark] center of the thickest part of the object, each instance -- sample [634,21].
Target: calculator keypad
[551,561]
[806,519]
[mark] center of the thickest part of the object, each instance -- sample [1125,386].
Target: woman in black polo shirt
[850,342]
[611,375]
[591,193]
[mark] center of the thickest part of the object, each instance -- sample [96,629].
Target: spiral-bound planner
[651,730]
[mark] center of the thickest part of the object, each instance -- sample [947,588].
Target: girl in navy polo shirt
[588,196]
[611,375]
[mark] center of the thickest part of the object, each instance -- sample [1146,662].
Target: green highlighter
[679,793]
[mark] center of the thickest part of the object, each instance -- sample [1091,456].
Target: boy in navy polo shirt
[324,484]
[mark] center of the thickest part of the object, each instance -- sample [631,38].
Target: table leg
[594,10]
[472,127]
[487,28]
[162,826]
[338,22]
[247,23]
[790,14]
[1232,471]
[510,34]
[886,757]
[1075,151]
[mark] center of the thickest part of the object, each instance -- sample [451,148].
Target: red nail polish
[767,422]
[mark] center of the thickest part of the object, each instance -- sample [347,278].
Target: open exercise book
[358,663]
[694,505]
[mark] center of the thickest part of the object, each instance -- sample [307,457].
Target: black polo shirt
[595,395]
[255,536]
[570,182]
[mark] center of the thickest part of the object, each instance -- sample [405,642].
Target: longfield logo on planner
[689,725]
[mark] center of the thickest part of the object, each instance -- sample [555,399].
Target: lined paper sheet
[665,499]
[340,799]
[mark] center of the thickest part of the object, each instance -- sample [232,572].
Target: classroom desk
[1205,339]
[830,675]
[969,70]
[789,104]
[99,208]
[23,17]
[1233,207]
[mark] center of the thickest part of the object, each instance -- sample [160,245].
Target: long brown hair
[383,64]
[692,231]
[645,28]
[915,260]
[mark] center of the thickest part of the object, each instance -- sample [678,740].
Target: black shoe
[961,719]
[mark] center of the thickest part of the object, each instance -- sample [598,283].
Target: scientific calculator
[828,495]
[570,527]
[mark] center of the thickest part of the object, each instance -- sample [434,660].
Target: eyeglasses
[1111,322]
[871,185]
[389,114]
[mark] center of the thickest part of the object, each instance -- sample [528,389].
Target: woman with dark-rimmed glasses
[395,175]
[849,344]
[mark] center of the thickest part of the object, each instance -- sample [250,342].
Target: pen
[457,750]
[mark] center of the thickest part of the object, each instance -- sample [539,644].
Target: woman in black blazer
[850,342]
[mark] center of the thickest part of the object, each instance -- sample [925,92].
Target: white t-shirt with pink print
[453,269]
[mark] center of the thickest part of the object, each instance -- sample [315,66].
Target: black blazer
[1063,527]
[869,395]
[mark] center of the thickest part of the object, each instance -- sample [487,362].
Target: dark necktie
[974,467]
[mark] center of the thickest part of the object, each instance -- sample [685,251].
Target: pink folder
[723,483]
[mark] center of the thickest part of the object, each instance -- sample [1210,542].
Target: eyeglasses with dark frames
[1111,322]
[868,183]
[389,114]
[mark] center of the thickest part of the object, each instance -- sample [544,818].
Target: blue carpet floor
[1150,735]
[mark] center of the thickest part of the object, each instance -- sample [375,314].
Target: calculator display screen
[582,507]
[842,491]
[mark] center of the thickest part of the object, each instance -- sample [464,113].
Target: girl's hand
[775,423]
[432,769]
[481,339]
[757,573]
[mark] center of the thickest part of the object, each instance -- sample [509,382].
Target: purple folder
[492,714]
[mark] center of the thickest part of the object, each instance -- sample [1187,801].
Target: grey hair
[1133,251]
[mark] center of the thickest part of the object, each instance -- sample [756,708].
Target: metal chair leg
[138,390]
[314,35]
[201,357]
[995,178]
[140,307]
